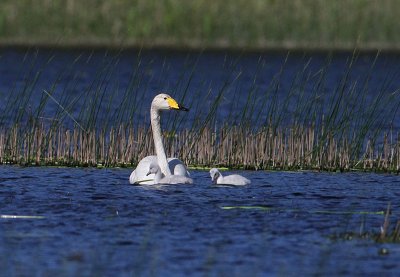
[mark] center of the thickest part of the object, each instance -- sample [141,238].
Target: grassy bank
[253,24]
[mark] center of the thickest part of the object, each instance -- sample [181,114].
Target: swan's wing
[185,180]
[235,179]
[138,176]
[177,167]
[176,179]
[132,178]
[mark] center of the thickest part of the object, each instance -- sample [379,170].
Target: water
[95,223]
[105,86]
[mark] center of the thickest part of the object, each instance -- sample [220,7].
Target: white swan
[234,179]
[162,102]
[172,179]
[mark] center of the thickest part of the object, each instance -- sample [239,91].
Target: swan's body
[175,165]
[171,179]
[235,179]
[170,166]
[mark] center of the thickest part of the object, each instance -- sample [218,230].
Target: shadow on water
[94,222]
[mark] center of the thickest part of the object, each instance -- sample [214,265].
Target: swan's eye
[165,98]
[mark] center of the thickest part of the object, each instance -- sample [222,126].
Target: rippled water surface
[95,223]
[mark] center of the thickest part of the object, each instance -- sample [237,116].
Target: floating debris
[8,216]
[265,208]
[383,251]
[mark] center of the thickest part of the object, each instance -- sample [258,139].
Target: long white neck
[158,143]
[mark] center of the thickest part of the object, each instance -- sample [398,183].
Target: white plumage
[172,179]
[235,179]
[170,166]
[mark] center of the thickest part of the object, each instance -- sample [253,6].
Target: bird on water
[171,166]
[234,179]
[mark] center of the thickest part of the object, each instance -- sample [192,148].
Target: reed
[290,148]
[388,233]
[308,124]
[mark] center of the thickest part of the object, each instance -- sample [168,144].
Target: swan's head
[165,102]
[214,173]
[154,168]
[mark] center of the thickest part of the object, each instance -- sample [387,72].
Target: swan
[170,166]
[172,179]
[234,179]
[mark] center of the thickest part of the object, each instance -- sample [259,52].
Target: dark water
[105,86]
[95,224]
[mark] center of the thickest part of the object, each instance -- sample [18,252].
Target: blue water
[118,86]
[96,224]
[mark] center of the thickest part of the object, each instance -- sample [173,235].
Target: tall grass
[204,23]
[304,124]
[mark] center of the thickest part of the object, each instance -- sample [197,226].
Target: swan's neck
[220,179]
[158,176]
[158,143]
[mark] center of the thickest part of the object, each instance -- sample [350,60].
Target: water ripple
[96,217]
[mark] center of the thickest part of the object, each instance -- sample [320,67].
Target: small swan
[234,179]
[171,179]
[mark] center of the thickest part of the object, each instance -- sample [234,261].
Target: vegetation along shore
[314,123]
[293,148]
[245,24]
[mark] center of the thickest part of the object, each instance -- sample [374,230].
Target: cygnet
[171,180]
[234,179]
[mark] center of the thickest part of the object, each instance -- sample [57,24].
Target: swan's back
[234,179]
[167,180]
[176,179]
[177,167]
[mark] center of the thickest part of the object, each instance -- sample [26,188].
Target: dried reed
[309,124]
[292,148]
